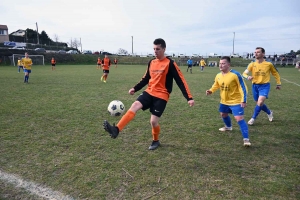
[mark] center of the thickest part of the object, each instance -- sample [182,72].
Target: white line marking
[290,81]
[33,188]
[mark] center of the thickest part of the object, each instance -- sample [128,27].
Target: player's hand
[250,78]
[191,103]
[278,87]
[131,91]
[208,92]
[243,105]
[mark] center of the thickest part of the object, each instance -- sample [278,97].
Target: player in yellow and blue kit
[233,92]
[260,77]
[20,65]
[27,62]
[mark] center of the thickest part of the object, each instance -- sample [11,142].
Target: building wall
[4,35]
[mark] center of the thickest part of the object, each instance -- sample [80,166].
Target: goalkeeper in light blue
[233,93]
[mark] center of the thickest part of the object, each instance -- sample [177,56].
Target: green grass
[51,133]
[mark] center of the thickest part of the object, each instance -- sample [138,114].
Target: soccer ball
[116,108]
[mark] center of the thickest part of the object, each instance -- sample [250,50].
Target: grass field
[51,133]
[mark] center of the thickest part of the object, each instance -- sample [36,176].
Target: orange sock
[155,132]
[129,115]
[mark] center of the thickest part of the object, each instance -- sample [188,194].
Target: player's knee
[223,115]
[135,106]
[239,118]
[153,122]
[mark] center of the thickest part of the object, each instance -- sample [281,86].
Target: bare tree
[75,43]
[122,51]
[56,38]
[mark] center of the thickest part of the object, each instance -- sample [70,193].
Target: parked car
[96,53]
[181,55]
[150,55]
[40,50]
[18,48]
[214,55]
[87,52]
[195,55]
[62,52]
[72,52]
[106,53]
[235,55]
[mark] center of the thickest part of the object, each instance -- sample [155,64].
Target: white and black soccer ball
[116,108]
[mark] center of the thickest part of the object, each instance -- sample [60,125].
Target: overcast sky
[188,26]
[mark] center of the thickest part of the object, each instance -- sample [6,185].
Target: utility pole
[233,42]
[37,33]
[80,45]
[132,45]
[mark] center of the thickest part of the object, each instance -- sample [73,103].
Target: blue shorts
[236,110]
[260,90]
[27,70]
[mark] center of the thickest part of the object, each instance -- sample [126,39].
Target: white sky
[187,26]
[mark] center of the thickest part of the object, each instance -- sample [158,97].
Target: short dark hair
[225,58]
[160,42]
[262,49]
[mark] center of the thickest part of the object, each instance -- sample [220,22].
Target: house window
[2,32]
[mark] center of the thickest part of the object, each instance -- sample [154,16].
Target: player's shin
[227,121]
[257,110]
[129,115]
[244,128]
[265,109]
[155,133]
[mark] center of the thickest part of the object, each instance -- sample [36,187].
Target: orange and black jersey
[53,61]
[106,63]
[116,61]
[99,61]
[159,77]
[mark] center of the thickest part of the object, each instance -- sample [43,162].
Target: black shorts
[106,71]
[53,65]
[156,105]
[190,66]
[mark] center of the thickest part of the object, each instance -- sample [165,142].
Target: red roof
[3,27]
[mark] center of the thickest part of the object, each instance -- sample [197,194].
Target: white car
[235,55]
[181,55]
[19,48]
[72,52]
[195,55]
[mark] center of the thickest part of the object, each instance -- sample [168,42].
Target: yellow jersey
[19,63]
[261,72]
[27,62]
[233,89]
[202,63]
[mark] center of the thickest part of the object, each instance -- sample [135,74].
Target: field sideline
[51,134]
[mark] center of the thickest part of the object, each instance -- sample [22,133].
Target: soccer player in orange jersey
[116,63]
[105,66]
[99,63]
[159,77]
[53,62]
